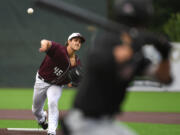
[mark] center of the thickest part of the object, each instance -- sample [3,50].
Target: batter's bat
[80,14]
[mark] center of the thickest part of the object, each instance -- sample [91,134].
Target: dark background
[20,33]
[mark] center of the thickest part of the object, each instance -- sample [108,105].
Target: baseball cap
[73,35]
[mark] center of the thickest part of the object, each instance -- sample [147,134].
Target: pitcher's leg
[53,95]
[39,97]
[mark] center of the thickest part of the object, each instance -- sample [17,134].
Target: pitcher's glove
[75,75]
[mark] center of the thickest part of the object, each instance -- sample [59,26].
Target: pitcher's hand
[45,45]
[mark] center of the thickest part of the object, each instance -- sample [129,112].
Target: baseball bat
[80,14]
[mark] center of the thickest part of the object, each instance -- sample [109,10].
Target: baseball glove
[75,75]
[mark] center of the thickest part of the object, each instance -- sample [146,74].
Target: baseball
[30,10]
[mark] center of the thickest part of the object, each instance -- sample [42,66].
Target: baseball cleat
[44,124]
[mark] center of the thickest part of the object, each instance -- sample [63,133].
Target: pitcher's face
[75,43]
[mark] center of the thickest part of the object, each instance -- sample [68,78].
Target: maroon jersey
[56,64]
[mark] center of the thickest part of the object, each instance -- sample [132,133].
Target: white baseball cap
[73,35]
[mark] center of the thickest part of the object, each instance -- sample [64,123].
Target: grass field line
[25,129]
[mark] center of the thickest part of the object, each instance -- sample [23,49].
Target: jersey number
[57,71]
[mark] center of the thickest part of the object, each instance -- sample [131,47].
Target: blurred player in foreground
[116,59]
[58,68]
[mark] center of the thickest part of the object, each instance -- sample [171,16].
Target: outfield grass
[135,101]
[155,129]
[152,102]
[22,99]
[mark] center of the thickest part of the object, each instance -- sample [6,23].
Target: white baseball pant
[43,90]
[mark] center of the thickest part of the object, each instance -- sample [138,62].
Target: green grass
[135,101]
[16,98]
[22,99]
[155,129]
[153,102]
[18,124]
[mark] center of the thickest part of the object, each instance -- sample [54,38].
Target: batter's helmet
[133,12]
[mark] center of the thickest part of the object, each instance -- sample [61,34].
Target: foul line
[25,129]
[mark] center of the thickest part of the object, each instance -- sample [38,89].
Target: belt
[51,82]
[41,78]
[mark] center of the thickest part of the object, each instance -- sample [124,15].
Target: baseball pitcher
[61,66]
